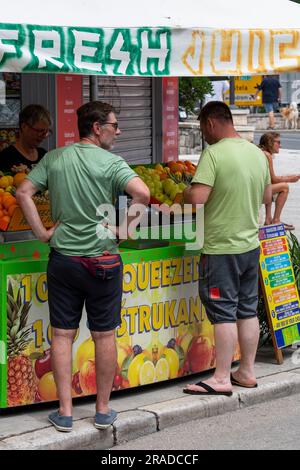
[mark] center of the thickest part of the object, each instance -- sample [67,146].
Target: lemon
[85,352]
[172,359]
[147,373]
[162,369]
[4,182]
[134,369]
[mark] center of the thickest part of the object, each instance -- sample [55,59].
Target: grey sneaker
[61,423]
[103,421]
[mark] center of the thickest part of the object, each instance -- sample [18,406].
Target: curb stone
[180,410]
[152,418]
[134,424]
[282,385]
[84,436]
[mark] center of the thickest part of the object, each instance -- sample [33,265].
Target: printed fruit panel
[164,332]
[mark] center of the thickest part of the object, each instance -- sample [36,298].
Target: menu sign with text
[279,285]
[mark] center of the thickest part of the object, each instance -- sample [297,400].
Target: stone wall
[190,137]
[260,121]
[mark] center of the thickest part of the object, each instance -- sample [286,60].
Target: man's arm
[140,194]
[197,193]
[24,197]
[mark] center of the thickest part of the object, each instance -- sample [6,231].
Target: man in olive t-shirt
[232,181]
[84,265]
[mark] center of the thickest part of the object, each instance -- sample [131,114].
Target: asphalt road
[273,425]
[289,139]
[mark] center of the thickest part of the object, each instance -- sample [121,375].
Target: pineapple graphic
[21,378]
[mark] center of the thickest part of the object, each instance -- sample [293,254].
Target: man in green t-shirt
[232,181]
[84,266]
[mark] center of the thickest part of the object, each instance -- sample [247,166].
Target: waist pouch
[106,266]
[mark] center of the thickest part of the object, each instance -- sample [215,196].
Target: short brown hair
[267,141]
[217,110]
[88,113]
[34,113]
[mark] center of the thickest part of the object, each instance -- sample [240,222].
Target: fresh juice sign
[279,285]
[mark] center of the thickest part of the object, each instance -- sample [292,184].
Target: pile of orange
[186,167]
[8,204]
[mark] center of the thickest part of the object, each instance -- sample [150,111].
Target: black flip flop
[240,384]
[210,390]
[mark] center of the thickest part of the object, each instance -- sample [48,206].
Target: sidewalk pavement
[146,410]
[156,407]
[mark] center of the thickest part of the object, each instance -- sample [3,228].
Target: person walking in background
[84,266]
[232,180]
[270,144]
[219,88]
[271,96]
[34,126]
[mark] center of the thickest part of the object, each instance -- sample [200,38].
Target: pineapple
[21,378]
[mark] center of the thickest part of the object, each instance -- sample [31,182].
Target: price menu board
[279,286]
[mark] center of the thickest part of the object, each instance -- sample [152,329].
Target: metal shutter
[132,99]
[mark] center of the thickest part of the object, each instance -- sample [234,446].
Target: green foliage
[295,255]
[192,90]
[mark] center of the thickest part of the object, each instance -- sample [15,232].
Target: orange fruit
[9,201]
[18,178]
[4,222]
[11,209]
[1,214]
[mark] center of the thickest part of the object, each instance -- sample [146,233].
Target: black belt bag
[103,267]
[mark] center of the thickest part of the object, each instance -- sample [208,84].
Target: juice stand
[164,332]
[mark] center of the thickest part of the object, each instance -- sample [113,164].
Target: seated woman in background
[270,144]
[34,127]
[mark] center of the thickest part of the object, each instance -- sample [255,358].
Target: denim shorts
[71,286]
[270,107]
[228,286]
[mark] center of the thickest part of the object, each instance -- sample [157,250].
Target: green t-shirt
[238,172]
[80,178]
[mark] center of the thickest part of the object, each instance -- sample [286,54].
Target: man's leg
[106,363]
[271,120]
[61,359]
[248,335]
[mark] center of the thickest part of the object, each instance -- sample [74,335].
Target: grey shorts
[228,286]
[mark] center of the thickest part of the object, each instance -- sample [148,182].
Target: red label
[69,98]
[170,119]
[214,293]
